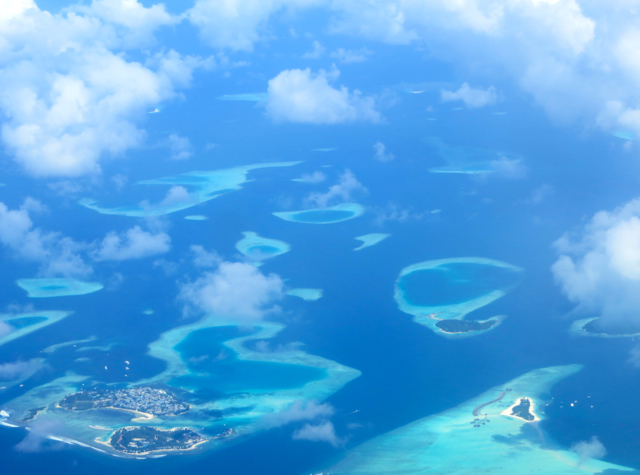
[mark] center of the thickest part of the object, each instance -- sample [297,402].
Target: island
[465,326]
[32,414]
[369,240]
[447,290]
[446,443]
[593,327]
[144,440]
[145,400]
[628,329]
[522,409]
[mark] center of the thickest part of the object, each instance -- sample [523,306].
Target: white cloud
[120,181]
[380,153]
[234,290]
[392,212]
[37,437]
[129,18]
[69,96]
[299,411]
[180,147]
[297,95]
[315,177]
[176,194]
[203,258]
[316,51]
[57,254]
[351,56]
[511,168]
[322,432]
[66,187]
[471,97]
[60,255]
[135,243]
[599,268]
[342,191]
[577,58]
[13,371]
[589,449]
[237,24]
[540,194]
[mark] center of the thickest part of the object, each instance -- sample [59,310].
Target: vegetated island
[522,409]
[594,326]
[145,400]
[457,326]
[32,414]
[144,440]
[465,326]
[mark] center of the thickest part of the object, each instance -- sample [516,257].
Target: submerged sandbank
[455,442]
[332,214]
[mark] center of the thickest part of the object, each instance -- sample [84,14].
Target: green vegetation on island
[464,326]
[522,410]
[138,440]
[157,402]
[624,329]
[32,414]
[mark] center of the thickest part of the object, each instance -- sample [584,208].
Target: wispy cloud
[344,190]
[588,449]
[322,432]
[380,153]
[472,98]
[299,411]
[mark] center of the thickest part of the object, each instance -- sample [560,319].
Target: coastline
[133,454]
[532,407]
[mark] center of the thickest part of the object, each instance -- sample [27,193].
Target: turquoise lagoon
[211,365]
[24,323]
[215,368]
[449,443]
[466,160]
[449,289]
[333,214]
[60,287]
[202,187]
[310,295]
[372,239]
[257,248]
